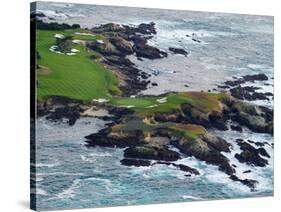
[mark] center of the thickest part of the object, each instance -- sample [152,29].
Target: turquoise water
[70,175]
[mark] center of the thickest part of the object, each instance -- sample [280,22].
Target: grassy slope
[205,102]
[77,76]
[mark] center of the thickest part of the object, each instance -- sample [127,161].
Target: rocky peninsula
[161,129]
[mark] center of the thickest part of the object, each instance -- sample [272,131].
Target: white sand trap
[130,106]
[100,100]
[74,50]
[163,100]
[70,54]
[152,106]
[100,41]
[60,36]
[83,33]
[93,112]
[54,49]
[79,42]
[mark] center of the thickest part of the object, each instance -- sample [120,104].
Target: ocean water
[71,175]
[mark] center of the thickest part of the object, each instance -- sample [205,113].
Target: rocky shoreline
[121,41]
[188,132]
[151,139]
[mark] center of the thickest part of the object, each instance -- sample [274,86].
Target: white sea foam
[38,191]
[70,191]
[59,173]
[191,197]
[53,14]
[49,165]
[256,173]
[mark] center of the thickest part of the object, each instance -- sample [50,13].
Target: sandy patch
[100,100]
[93,112]
[43,70]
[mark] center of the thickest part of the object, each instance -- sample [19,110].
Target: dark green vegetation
[55,26]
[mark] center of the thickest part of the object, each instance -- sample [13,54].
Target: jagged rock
[200,149]
[105,48]
[193,115]
[151,152]
[121,44]
[71,113]
[217,121]
[106,138]
[178,51]
[246,93]
[248,182]
[251,155]
[257,118]
[167,117]
[257,77]
[182,167]
[255,123]
[110,27]
[216,142]
[150,52]
[135,162]
[119,61]
[236,128]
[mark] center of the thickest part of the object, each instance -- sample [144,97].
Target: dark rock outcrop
[178,51]
[70,113]
[244,93]
[151,152]
[182,167]
[251,155]
[236,128]
[258,119]
[248,182]
[106,138]
[255,77]
[135,162]
[206,150]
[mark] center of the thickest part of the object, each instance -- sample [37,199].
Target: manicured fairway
[77,76]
